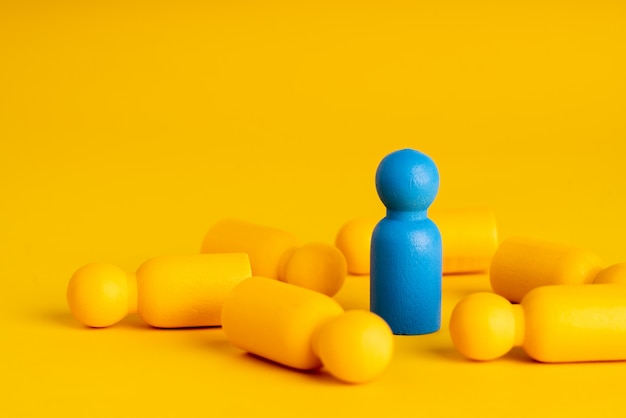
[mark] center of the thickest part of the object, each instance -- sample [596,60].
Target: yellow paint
[304,329]
[275,254]
[166,291]
[559,323]
[469,237]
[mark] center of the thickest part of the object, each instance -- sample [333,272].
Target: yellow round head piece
[354,241]
[316,266]
[483,326]
[98,294]
[614,274]
[355,347]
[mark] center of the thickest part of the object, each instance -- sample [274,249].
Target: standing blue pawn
[406,253]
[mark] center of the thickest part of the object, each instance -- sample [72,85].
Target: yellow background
[128,127]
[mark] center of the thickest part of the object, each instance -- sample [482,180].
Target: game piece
[304,329]
[613,274]
[354,240]
[406,259]
[557,323]
[521,264]
[166,292]
[469,237]
[275,254]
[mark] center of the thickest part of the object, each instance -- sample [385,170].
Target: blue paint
[406,253]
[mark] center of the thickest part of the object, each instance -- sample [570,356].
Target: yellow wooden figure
[469,237]
[522,264]
[612,274]
[166,292]
[558,323]
[306,330]
[276,254]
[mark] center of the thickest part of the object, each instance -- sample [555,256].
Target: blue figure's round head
[407,180]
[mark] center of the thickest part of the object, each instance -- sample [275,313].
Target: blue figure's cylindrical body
[405,276]
[406,252]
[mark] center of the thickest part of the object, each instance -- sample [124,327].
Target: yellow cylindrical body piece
[521,264]
[277,321]
[576,323]
[316,266]
[469,237]
[167,291]
[304,329]
[188,290]
[264,245]
[275,254]
[558,323]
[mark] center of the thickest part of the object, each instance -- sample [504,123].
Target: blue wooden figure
[406,252]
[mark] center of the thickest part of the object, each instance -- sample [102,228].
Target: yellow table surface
[128,128]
